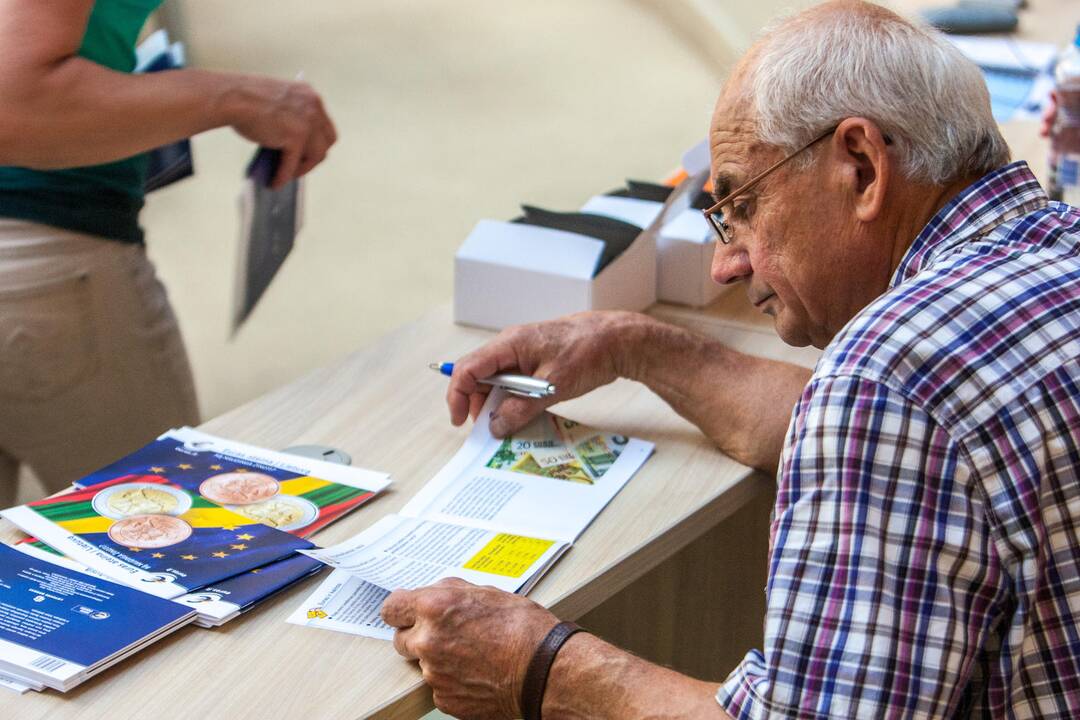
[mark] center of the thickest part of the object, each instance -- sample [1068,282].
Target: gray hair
[811,71]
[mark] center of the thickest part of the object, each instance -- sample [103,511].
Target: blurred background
[446,113]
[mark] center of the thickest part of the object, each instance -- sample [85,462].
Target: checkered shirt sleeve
[880,574]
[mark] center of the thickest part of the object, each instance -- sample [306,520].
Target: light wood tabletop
[384,407]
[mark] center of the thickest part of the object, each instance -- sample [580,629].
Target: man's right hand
[285,116]
[743,403]
[576,353]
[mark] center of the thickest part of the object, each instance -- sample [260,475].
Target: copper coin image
[149,531]
[238,488]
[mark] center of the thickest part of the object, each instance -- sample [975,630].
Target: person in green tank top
[91,360]
[100,199]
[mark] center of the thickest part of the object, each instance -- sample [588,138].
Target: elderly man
[925,546]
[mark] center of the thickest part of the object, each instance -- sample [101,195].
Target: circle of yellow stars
[184,466]
[219,554]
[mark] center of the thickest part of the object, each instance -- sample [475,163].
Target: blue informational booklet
[168,163]
[223,601]
[59,627]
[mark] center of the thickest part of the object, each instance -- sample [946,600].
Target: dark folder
[639,190]
[271,221]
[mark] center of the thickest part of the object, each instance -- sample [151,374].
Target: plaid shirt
[925,546]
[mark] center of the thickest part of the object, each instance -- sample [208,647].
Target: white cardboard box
[642,213]
[511,273]
[684,240]
[684,246]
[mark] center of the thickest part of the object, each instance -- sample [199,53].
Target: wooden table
[387,410]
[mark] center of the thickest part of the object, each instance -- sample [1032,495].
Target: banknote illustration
[558,448]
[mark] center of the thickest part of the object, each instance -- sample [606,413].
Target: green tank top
[101,200]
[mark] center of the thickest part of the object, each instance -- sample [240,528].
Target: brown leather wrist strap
[532,689]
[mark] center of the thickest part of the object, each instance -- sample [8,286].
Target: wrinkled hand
[577,353]
[290,117]
[473,644]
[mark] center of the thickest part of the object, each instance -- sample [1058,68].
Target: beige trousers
[92,365]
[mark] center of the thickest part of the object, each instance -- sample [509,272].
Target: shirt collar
[996,197]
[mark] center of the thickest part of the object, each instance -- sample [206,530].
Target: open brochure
[500,513]
[59,626]
[190,511]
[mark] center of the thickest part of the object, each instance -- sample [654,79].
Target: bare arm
[593,679]
[741,402]
[474,644]
[60,110]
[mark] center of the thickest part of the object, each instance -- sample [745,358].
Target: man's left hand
[473,644]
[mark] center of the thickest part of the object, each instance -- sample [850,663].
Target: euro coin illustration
[283,512]
[128,499]
[238,488]
[149,531]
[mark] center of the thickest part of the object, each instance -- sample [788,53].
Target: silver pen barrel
[522,385]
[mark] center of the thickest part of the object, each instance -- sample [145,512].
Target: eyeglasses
[723,214]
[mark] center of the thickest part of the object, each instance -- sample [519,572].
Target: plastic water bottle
[1065,132]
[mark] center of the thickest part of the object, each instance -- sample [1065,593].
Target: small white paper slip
[696,159]
[19,685]
[345,603]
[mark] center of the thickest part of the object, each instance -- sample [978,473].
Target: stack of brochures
[209,525]
[500,513]
[59,627]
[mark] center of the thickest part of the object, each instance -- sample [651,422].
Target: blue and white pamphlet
[223,601]
[216,604]
[59,627]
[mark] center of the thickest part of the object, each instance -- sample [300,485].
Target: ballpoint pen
[521,385]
